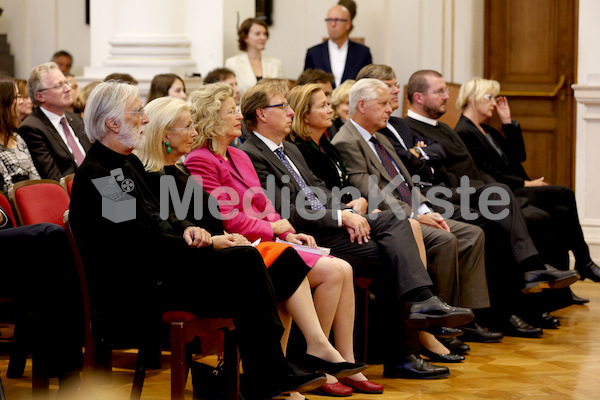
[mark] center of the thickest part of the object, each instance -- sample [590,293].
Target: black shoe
[414,367]
[475,333]
[515,326]
[455,345]
[578,300]
[590,271]
[443,358]
[297,380]
[549,278]
[339,370]
[547,321]
[434,311]
[444,331]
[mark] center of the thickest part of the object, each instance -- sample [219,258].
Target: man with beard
[145,265]
[428,94]
[55,136]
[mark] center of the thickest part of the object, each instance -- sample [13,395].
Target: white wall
[406,34]
[587,93]
[37,28]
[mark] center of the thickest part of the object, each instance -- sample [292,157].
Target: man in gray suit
[448,242]
[55,137]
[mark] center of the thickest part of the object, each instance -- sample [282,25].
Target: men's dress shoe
[515,326]
[475,333]
[444,331]
[578,300]
[549,278]
[414,367]
[297,380]
[367,387]
[456,346]
[443,358]
[334,389]
[547,321]
[339,370]
[590,271]
[436,312]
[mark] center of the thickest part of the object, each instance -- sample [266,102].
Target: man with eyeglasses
[339,56]
[55,136]
[513,245]
[404,287]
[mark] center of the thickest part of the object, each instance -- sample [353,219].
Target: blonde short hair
[299,98]
[341,94]
[475,88]
[206,112]
[163,112]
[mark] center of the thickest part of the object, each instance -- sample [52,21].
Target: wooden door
[531,48]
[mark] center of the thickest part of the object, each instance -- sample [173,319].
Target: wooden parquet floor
[563,364]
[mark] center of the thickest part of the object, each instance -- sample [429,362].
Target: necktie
[386,160]
[77,154]
[315,204]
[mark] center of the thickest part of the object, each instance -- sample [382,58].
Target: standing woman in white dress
[251,66]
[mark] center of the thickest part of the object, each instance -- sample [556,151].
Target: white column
[587,94]
[149,37]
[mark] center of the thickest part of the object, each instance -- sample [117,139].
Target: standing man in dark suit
[310,207]
[338,55]
[55,137]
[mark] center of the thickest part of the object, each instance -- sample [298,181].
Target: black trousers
[39,270]
[232,282]
[392,244]
[559,202]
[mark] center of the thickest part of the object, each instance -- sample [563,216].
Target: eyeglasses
[189,129]
[335,20]
[59,85]
[139,110]
[489,97]
[439,92]
[233,111]
[283,106]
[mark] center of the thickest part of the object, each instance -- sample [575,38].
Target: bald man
[339,56]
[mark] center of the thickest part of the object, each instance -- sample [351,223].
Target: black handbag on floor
[208,382]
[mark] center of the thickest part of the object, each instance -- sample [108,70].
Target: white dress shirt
[55,121]
[337,60]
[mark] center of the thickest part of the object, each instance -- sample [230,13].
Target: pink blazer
[240,187]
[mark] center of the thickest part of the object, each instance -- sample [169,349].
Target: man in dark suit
[55,136]
[338,55]
[381,236]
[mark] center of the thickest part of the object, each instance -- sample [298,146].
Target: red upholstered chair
[40,200]
[67,182]
[184,327]
[5,204]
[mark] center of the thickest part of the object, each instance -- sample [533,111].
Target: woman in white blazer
[250,66]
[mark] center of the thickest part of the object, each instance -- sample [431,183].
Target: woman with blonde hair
[311,120]
[221,166]
[168,136]
[340,103]
[500,155]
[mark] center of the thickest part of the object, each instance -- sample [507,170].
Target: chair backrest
[67,182]
[40,200]
[5,204]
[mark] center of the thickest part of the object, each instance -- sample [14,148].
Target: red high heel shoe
[362,386]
